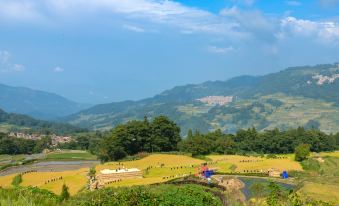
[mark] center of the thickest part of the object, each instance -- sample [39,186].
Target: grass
[321,179]
[325,192]
[70,155]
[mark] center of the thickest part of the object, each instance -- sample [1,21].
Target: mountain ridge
[36,103]
[262,101]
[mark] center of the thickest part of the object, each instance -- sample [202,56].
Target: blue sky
[98,51]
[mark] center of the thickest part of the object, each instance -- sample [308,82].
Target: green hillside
[18,122]
[301,96]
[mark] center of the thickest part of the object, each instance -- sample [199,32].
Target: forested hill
[18,122]
[38,104]
[300,96]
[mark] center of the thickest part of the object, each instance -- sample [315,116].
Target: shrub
[17,180]
[302,152]
[64,193]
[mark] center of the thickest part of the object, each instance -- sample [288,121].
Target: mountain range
[38,104]
[299,96]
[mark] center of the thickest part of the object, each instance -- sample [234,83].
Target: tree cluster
[252,141]
[159,135]
[13,146]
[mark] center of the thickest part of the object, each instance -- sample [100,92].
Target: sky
[100,51]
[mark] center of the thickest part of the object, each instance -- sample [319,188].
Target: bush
[17,180]
[311,165]
[302,152]
[148,195]
[64,193]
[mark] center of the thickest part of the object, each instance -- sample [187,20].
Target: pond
[248,181]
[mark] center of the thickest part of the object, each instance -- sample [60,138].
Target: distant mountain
[300,96]
[38,104]
[18,122]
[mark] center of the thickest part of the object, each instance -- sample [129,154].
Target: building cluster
[56,139]
[216,100]
[321,79]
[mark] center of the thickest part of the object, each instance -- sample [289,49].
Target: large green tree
[302,152]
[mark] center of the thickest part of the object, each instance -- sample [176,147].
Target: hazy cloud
[58,69]
[220,50]
[293,3]
[6,65]
[133,28]
[329,3]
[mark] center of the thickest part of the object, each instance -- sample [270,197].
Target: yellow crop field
[6,181]
[161,168]
[172,166]
[75,180]
[254,163]
[325,192]
[154,161]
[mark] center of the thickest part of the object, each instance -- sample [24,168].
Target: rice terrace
[161,168]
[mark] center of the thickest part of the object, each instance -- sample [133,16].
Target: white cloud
[58,69]
[4,57]
[164,12]
[220,50]
[293,3]
[231,23]
[18,67]
[19,10]
[6,65]
[326,31]
[133,28]
[252,22]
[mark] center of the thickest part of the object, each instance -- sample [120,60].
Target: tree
[165,134]
[83,142]
[64,193]
[302,152]
[92,172]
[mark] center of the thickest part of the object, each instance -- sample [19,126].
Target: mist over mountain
[38,104]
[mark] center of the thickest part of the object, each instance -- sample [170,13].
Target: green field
[5,128]
[70,155]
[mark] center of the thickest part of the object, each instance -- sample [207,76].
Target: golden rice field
[242,163]
[6,181]
[172,166]
[75,180]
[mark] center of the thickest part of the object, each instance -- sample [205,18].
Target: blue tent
[284,175]
[208,173]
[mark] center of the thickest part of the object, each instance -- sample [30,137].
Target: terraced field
[243,163]
[159,168]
